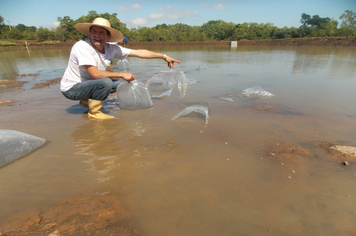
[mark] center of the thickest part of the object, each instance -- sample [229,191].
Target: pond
[256,167]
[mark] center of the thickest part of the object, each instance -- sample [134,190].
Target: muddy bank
[317,41]
[324,41]
[15,84]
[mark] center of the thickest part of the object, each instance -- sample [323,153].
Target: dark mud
[15,84]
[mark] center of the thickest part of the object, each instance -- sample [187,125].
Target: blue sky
[149,13]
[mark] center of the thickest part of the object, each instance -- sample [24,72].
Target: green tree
[2,27]
[196,34]
[29,35]
[42,34]
[241,32]
[15,33]
[316,26]
[21,27]
[66,29]
[218,29]
[348,18]
[348,24]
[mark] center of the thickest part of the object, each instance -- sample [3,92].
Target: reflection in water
[14,62]
[110,147]
[335,61]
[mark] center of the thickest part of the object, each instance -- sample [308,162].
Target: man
[123,42]
[86,77]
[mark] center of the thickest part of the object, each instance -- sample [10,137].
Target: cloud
[205,4]
[136,6]
[132,8]
[55,24]
[138,21]
[189,13]
[173,17]
[156,16]
[219,6]
[175,14]
[122,8]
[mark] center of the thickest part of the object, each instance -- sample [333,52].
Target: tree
[42,34]
[348,18]
[66,29]
[2,26]
[21,27]
[218,29]
[314,26]
[305,19]
[348,24]
[15,33]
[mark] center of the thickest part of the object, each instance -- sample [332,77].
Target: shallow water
[186,177]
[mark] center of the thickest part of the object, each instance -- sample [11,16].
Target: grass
[45,42]
[7,43]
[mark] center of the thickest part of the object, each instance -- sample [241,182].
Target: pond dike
[314,41]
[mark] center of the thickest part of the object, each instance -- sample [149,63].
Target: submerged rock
[346,152]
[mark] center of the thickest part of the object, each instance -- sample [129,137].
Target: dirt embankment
[319,41]
[323,41]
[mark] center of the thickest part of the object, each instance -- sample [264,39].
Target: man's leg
[92,93]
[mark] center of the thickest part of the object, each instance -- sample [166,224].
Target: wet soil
[15,84]
[93,214]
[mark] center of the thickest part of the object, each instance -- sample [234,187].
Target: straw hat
[84,28]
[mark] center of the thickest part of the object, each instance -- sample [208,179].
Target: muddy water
[185,177]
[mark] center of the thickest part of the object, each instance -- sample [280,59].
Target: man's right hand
[128,76]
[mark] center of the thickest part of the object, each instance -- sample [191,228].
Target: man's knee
[106,83]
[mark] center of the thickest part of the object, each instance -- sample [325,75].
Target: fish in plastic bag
[164,94]
[15,144]
[133,95]
[123,64]
[256,92]
[166,80]
[195,108]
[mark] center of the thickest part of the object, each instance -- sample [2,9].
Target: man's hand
[128,76]
[98,74]
[170,61]
[143,53]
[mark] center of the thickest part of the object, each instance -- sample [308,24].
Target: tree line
[214,30]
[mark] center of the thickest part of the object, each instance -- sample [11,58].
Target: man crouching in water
[86,78]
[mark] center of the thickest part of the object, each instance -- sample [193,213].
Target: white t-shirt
[83,53]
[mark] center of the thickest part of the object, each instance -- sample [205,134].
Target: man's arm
[146,54]
[98,74]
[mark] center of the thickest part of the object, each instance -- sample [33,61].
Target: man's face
[98,36]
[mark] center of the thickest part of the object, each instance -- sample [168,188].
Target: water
[186,177]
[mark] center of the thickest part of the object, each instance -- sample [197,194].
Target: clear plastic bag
[256,92]
[164,94]
[133,95]
[15,144]
[166,80]
[123,64]
[195,108]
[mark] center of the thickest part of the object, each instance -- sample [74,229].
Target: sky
[149,13]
